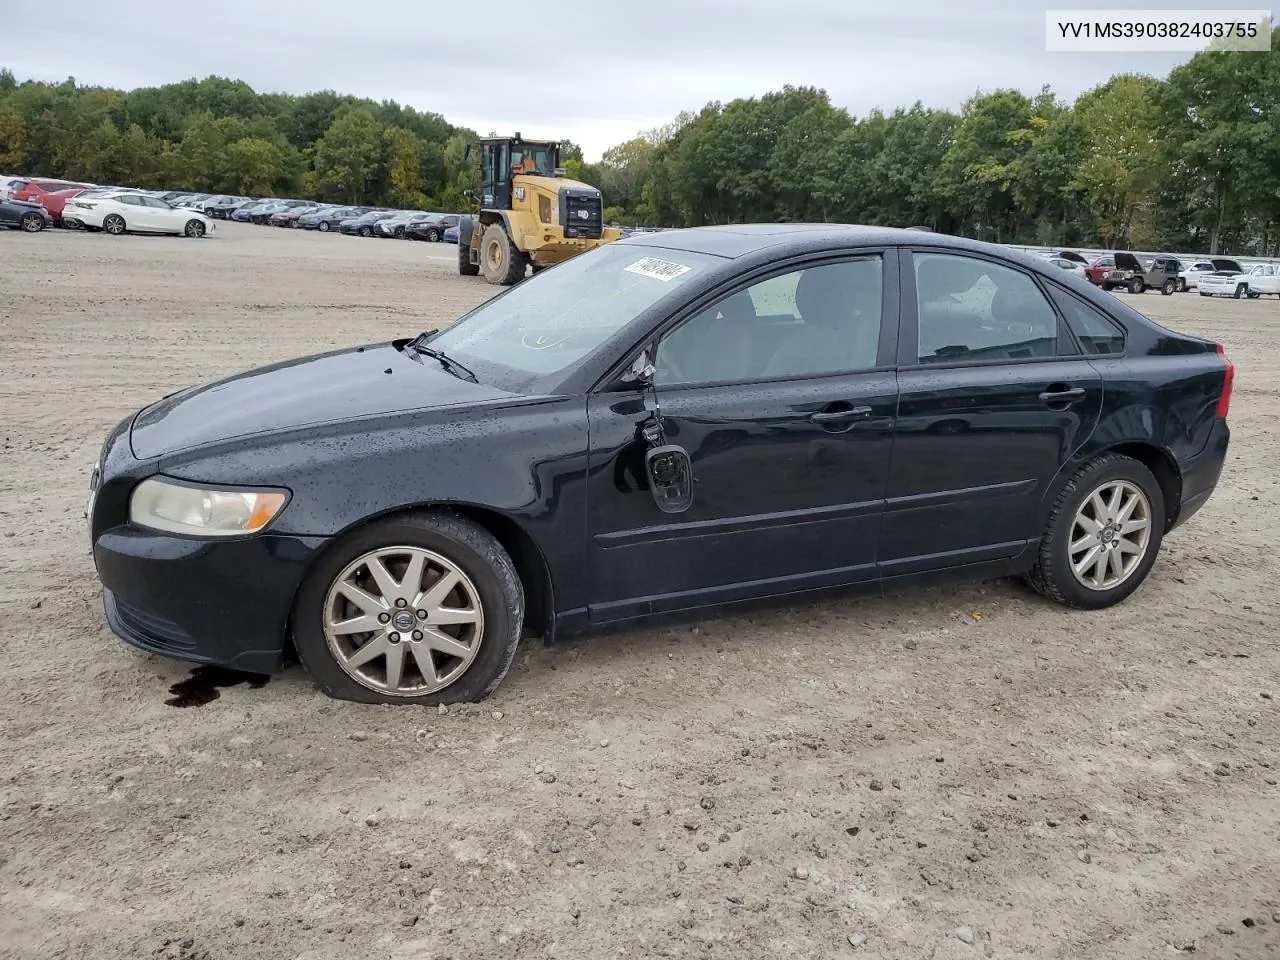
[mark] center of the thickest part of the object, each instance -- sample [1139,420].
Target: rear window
[1098,335]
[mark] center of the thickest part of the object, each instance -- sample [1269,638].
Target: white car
[1224,283]
[1069,266]
[395,226]
[1263,280]
[1189,279]
[136,212]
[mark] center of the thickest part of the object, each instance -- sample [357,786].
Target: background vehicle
[327,220]
[25,215]
[450,235]
[221,207]
[529,213]
[1137,277]
[1263,280]
[290,216]
[719,378]
[55,202]
[395,226]
[1190,276]
[433,228]
[1068,266]
[117,213]
[37,190]
[1223,283]
[362,226]
[1097,271]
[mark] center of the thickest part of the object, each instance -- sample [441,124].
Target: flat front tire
[1102,536]
[422,608]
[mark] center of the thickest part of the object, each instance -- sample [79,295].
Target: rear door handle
[835,416]
[1066,395]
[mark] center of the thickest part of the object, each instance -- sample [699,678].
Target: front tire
[114,224]
[32,223]
[500,260]
[194,229]
[1136,286]
[1241,292]
[399,233]
[1102,536]
[366,231]
[1108,287]
[465,267]
[433,236]
[1182,285]
[324,226]
[423,608]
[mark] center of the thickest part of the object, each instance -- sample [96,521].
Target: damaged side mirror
[670,477]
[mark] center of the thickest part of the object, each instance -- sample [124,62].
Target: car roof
[785,238]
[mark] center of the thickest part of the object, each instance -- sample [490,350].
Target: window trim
[909,332]
[886,352]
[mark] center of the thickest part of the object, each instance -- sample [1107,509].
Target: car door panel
[978,443]
[789,480]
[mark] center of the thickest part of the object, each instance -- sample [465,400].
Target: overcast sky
[592,71]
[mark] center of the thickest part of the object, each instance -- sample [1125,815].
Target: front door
[783,393]
[995,398]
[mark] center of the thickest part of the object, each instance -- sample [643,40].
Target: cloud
[587,70]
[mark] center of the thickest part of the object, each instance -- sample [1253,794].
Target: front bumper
[224,602]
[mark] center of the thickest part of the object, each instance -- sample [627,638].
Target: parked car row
[1215,276]
[358,221]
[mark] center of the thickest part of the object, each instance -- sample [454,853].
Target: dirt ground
[951,773]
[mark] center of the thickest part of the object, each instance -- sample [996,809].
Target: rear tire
[433,236]
[324,226]
[32,223]
[1168,288]
[500,260]
[114,224]
[1053,575]
[1182,285]
[486,582]
[399,233]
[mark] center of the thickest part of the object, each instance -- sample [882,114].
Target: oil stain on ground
[203,685]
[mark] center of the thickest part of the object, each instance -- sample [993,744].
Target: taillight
[1224,399]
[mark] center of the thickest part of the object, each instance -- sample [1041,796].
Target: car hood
[343,385]
[1127,261]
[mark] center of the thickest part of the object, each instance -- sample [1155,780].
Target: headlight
[198,511]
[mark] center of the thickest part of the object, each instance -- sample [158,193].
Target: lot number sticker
[664,270]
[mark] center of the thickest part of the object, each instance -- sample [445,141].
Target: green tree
[349,155]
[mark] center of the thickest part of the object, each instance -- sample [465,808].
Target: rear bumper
[1200,473]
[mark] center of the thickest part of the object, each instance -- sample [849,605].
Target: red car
[35,191]
[57,200]
[1098,269]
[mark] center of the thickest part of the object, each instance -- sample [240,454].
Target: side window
[1098,335]
[810,322]
[971,310]
[129,200]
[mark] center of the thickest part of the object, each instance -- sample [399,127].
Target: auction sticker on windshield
[664,270]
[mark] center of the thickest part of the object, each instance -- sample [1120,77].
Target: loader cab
[502,159]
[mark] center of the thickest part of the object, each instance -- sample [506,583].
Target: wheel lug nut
[417,634]
[394,637]
[422,614]
[401,602]
[384,617]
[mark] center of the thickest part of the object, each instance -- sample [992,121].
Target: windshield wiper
[453,366]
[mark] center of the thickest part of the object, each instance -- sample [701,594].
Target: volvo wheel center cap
[403,620]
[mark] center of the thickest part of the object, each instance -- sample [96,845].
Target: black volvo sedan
[679,420]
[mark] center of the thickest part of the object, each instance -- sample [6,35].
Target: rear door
[995,397]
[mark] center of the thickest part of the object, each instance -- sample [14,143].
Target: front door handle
[836,416]
[1062,395]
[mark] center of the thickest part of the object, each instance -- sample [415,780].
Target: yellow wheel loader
[531,215]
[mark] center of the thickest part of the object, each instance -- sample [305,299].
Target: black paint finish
[948,473]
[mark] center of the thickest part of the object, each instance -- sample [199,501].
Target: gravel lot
[946,774]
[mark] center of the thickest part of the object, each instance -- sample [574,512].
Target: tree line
[1188,162]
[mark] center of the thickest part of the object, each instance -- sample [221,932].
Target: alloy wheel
[403,621]
[1110,535]
[33,223]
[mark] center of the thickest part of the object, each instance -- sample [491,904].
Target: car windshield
[544,325]
[536,158]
